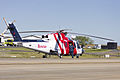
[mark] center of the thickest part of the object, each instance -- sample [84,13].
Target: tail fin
[14,32]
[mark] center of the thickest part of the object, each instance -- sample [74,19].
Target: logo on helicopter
[41,46]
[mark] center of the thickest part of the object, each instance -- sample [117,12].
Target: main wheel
[80,54]
[44,56]
[77,56]
[60,56]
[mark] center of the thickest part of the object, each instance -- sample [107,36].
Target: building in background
[112,45]
[8,41]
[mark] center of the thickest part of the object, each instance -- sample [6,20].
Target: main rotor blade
[32,32]
[43,31]
[35,31]
[92,36]
[4,31]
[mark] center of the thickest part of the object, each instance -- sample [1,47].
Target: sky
[93,17]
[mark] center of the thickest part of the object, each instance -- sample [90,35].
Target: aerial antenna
[6,25]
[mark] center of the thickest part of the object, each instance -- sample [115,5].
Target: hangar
[29,37]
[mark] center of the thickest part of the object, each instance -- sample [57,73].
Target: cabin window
[46,36]
[42,36]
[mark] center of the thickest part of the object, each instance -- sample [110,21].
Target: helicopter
[55,43]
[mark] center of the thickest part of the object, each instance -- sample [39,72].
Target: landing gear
[77,56]
[45,56]
[60,56]
[80,54]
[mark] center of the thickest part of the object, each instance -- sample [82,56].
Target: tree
[84,40]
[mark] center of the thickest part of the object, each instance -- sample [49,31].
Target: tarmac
[59,69]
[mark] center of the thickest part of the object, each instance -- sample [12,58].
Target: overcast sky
[94,17]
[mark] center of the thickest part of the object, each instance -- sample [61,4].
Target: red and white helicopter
[55,43]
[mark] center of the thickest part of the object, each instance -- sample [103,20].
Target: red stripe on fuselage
[62,51]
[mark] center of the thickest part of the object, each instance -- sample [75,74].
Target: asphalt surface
[59,69]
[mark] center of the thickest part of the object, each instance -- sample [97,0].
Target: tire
[60,56]
[77,56]
[44,56]
[80,54]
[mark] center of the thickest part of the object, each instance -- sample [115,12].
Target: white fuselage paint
[49,44]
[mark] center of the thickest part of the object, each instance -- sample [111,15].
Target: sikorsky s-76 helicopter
[55,43]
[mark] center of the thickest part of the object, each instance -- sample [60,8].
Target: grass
[35,54]
[17,48]
[18,54]
[91,56]
[96,50]
[21,54]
